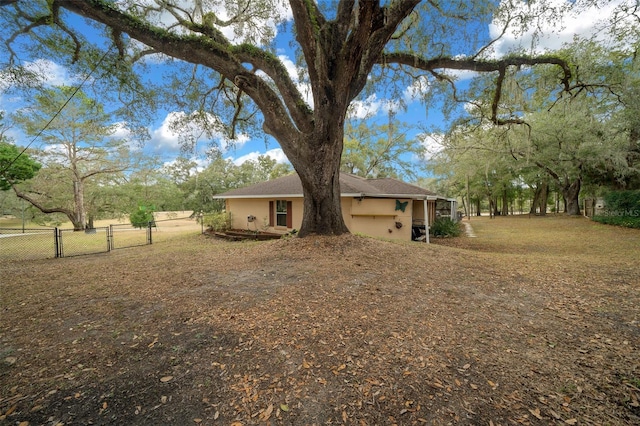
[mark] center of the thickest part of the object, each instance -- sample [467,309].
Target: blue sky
[165,143]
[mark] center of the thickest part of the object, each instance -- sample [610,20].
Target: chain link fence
[44,243]
[29,243]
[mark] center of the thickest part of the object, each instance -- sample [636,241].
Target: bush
[445,227]
[622,208]
[626,221]
[218,222]
[141,218]
[623,201]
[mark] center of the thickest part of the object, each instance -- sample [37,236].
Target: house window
[281,213]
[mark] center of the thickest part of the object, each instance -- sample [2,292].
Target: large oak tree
[79,148]
[343,46]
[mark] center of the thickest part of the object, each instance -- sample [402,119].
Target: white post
[426,221]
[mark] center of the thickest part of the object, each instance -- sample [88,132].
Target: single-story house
[386,207]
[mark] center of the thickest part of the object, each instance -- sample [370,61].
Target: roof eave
[412,196]
[353,194]
[225,197]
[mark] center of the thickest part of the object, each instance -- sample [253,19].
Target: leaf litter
[328,330]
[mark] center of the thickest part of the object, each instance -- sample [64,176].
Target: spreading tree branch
[213,53]
[40,206]
[484,66]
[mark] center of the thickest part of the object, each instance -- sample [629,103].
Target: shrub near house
[622,208]
[445,227]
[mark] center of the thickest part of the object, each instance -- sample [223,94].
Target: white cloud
[461,75]
[5,82]
[275,153]
[121,131]
[164,138]
[364,109]
[48,73]
[417,90]
[201,163]
[296,73]
[388,106]
[553,29]
[177,129]
[432,143]
[263,26]
[51,73]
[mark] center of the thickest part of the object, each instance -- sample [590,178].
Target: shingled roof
[350,186]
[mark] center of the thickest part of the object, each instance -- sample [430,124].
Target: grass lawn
[535,321]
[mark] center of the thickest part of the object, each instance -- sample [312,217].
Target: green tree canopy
[589,137]
[223,174]
[15,166]
[377,151]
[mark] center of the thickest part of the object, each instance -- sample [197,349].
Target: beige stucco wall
[346,212]
[376,217]
[240,209]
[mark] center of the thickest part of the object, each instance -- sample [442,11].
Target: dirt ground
[534,322]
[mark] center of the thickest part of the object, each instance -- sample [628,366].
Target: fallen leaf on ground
[264,416]
[536,413]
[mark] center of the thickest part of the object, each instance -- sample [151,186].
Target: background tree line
[561,149]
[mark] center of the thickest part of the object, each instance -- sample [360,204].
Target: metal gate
[70,242]
[126,235]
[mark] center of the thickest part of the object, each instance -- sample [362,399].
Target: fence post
[56,242]
[149,233]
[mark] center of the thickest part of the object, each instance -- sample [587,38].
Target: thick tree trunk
[80,217]
[319,169]
[505,203]
[540,199]
[322,209]
[544,199]
[571,192]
